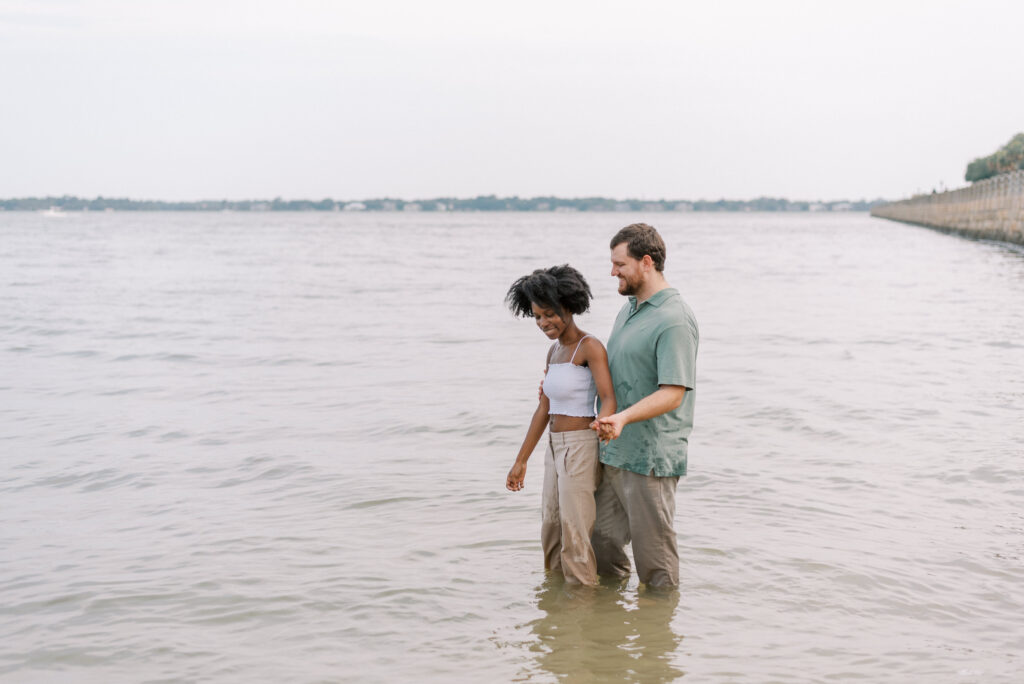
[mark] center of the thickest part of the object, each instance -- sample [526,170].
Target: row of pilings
[991,209]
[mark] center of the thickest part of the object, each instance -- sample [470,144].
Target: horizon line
[438,198]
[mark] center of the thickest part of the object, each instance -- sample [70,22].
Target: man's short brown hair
[641,239]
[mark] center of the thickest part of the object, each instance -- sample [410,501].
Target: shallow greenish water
[272,447]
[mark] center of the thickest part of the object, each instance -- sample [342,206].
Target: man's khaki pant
[641,509]
[572,472]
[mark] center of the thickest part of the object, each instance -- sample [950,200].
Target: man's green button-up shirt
[653,344]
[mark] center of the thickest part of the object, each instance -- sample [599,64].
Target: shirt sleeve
[676,352]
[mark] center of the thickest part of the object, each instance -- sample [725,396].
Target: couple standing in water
[610,476]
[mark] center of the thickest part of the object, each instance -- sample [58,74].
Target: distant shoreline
[441,204]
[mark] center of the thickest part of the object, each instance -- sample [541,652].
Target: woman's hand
[609,427]
[516,476]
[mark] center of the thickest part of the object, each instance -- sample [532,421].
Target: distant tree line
[1010,157]
[482,203]
[70,203]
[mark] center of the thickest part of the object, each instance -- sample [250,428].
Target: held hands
[609,427]
[516,477]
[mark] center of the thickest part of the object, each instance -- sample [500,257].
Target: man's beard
[627,288]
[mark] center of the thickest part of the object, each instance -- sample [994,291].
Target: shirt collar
[656,299]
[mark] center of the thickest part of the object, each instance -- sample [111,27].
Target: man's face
[628,270]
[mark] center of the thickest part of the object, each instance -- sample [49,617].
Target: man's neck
[655,284]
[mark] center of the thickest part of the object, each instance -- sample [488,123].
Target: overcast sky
[185,99]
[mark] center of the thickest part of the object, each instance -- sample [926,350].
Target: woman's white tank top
[570,388]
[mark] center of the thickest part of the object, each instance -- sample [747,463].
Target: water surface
[272,447]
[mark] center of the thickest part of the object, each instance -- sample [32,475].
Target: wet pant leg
[571,474]
[611,526]
[639,509]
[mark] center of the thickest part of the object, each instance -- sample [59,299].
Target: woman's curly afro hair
[561,288]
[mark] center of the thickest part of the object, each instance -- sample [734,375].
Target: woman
[575,374]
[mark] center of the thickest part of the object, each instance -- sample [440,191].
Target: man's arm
[664,399]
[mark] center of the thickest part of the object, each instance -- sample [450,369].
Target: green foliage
[1009,157]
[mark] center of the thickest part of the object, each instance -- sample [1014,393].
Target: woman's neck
[570,336]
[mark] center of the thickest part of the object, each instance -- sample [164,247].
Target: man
[652,353]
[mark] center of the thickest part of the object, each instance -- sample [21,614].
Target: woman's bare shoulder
[551,351]
[592,349]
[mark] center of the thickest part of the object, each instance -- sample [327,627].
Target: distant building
[816,206]
[412,206]
[683,206]
[621,206]
[354,206]
[543,206]
[440,206]
[842,206]
[389,205]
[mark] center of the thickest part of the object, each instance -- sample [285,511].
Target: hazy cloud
[651,99]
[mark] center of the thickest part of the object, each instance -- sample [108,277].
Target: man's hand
[516,476]
[609,427]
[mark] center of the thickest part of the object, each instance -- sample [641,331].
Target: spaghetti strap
[578,347]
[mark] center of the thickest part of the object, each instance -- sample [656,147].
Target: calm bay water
[271,447]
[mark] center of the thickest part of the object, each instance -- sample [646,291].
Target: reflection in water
[604,634]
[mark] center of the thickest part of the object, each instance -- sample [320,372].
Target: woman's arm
[597,359]
[517,474]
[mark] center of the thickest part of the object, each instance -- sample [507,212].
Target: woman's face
[549,321]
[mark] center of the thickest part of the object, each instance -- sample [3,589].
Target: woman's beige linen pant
[572,471]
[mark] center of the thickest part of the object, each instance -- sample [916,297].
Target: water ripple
[232,454]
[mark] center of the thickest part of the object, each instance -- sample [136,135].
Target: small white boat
[53,211]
